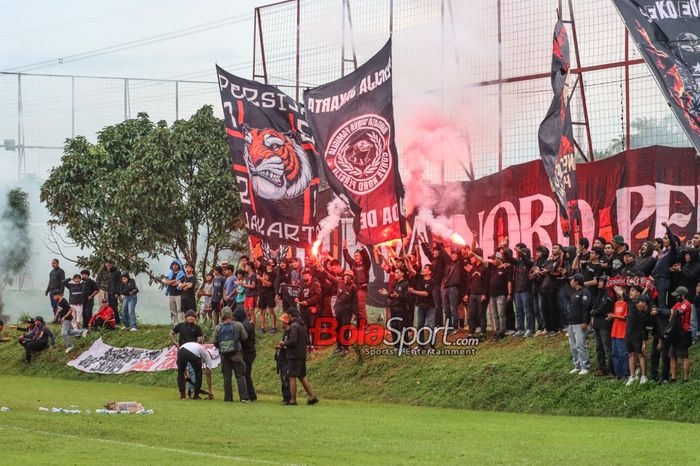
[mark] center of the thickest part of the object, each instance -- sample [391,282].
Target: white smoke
[336,209]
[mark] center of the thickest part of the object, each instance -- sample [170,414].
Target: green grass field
[333,432]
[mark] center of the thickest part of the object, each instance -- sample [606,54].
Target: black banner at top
[667,34]
[274,158]
[353,120]
[556,138]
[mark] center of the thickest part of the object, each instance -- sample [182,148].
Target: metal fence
[38,112]
[483,65]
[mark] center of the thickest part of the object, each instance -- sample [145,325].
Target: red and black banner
[353,121]
[667,35]
[555,135]
[274,158]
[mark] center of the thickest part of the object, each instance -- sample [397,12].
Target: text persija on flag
[274,158]
[667,35]
[555,136]
[353,121]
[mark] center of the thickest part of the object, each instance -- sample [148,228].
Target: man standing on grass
[579,314]
[249,350]
[187,331]
[281,360]
[76,298]
[90,290]
[228,338]
[193,355]
[360,264]
[295,345]
[172,282]
[681,338]
[638,307]
[266,296]
[56,278]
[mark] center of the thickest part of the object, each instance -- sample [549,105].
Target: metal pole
[342,39]
[442,78]
[500,91]
[72,106]
[20,131]
[627,91]
[391,17]
[591,155]
[126,97]
[298,40]
[177,100]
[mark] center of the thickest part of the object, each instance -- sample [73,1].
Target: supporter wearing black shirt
[90,290]
[602,306]
[189,287]
[423,288]
[266,296]
[551,284]
[522,293]
[398,302]
[187,331]
[477,293]
[500,292]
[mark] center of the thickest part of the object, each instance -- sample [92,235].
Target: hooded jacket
[647,261]
[539,263]
[666,258]
[171,275]
[690,272]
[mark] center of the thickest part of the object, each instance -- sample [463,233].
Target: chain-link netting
[446,61]
[39,112]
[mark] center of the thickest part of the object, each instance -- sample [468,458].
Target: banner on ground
[353,121]
[274,159]
[556,137]
[102,358]
[667,35]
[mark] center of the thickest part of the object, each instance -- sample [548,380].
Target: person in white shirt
[198,356]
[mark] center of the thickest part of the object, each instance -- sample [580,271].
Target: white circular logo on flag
[359,153]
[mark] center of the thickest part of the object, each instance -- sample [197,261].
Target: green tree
[146,190]
[15,243]
[645,132]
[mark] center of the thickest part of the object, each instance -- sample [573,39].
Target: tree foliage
[146,190]
[645,132]
[15,244]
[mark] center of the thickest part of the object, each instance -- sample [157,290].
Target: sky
[36,31]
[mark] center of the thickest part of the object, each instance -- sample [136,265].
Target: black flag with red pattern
[556,138]
[274,158]
[667,35]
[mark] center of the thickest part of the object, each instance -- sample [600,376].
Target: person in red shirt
[617,334]
[681,338]
[104,319]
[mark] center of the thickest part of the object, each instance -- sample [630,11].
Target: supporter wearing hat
[680,338]
[188,330]
[346,306]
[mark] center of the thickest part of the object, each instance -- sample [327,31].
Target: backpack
[229,339]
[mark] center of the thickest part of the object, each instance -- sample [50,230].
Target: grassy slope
[520,376]
[334,432]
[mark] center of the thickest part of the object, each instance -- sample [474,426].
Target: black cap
[39,319]
[577,277]
[190,313]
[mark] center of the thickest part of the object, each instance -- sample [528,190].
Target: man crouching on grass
[295,346]
[195,354]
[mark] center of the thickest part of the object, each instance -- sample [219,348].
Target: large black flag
[555,135]
[667,35]
[274,158]
[353,121]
